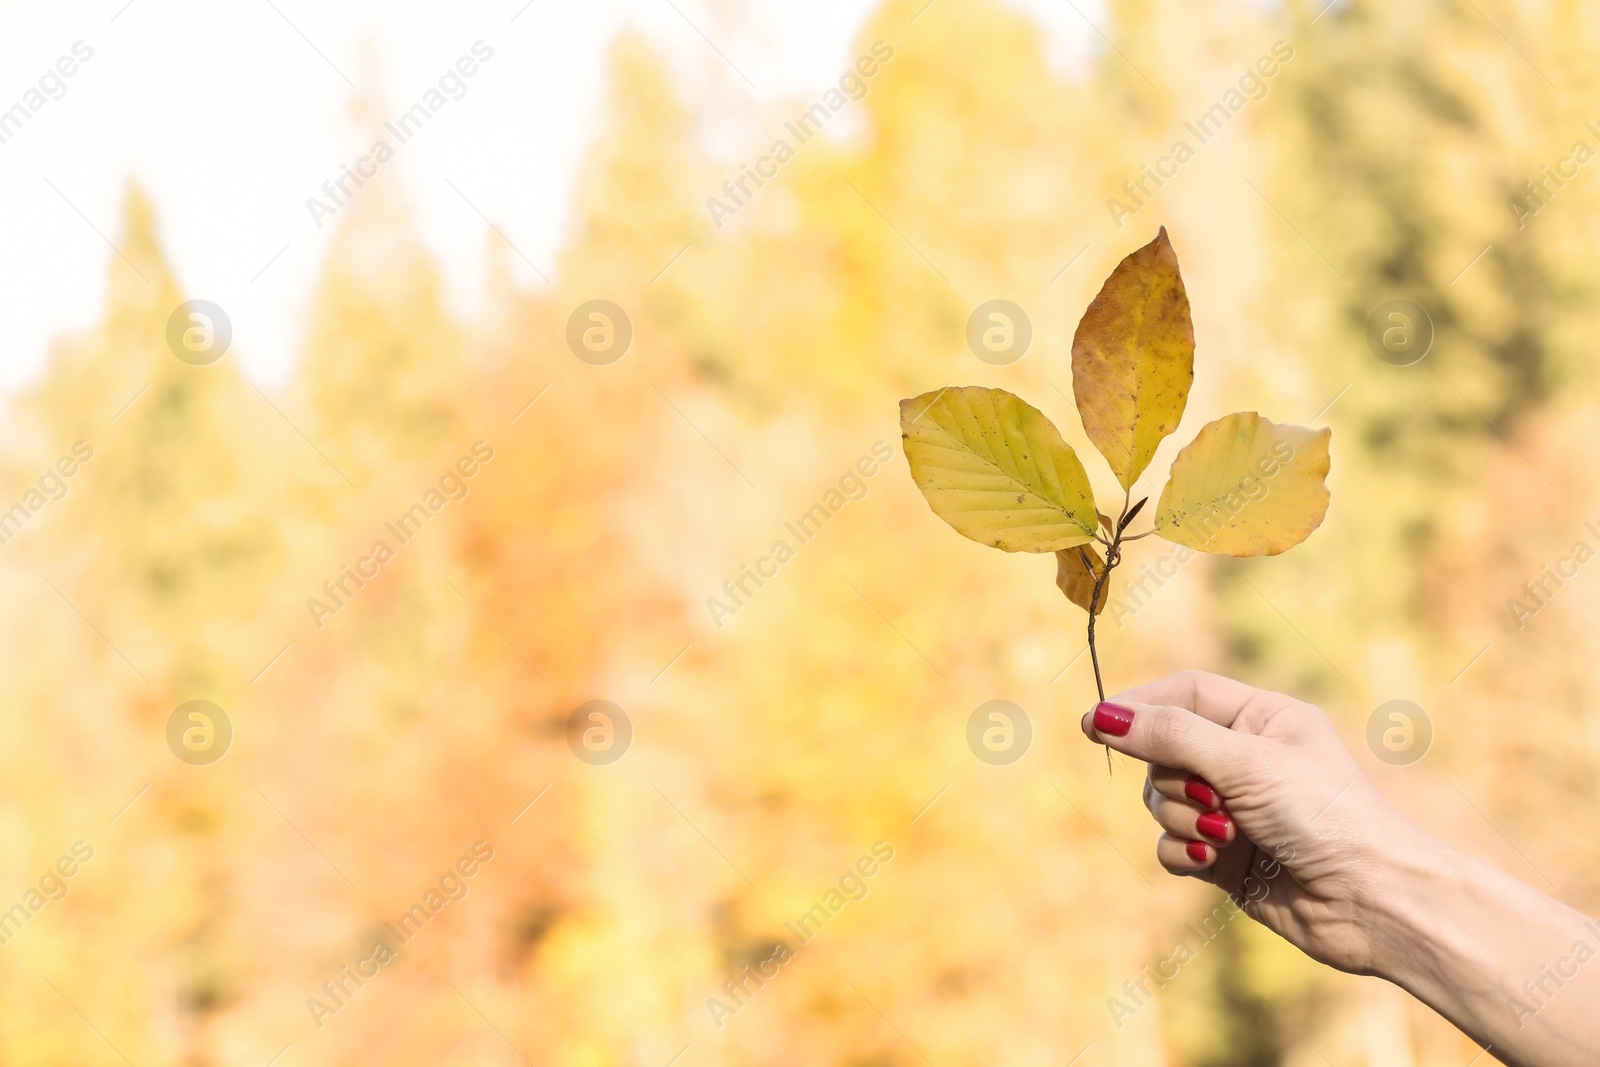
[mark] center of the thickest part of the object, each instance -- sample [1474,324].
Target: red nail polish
[1198,851]
[1214,825]
[1199,790]
[1112,719]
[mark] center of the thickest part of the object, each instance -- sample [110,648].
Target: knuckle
[1166,732]
[1317,717]
[1160,811]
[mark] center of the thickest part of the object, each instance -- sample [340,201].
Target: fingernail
[1214,825]
[1199,790]
[1112,719]
[1198,851]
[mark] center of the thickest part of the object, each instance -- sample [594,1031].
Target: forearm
[1510,966]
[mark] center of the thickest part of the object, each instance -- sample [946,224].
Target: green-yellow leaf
[993,467]
[1133,359]
[1246,486]
[1076,571]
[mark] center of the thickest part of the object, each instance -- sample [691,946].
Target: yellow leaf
[1133,359]
[1246,486]
[1076,571]
[993,467]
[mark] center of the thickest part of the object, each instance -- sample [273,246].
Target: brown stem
[1113,557]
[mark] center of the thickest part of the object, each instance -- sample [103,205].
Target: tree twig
[1113,557]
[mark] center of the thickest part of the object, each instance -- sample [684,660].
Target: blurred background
[192,509]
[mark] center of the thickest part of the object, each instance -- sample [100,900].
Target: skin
[1314,852]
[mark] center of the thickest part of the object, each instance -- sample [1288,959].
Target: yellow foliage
[618,539]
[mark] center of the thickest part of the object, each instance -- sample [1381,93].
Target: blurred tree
[772,747]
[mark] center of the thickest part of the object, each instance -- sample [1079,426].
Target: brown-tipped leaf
[1076,571]
[1133,359]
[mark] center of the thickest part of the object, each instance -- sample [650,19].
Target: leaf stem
[1113,557]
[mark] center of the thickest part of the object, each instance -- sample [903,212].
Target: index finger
[1211,696]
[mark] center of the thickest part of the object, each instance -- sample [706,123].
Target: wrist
[1436,925]
[1407,892]
[1482,948]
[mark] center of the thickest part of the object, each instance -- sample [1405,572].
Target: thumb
[1171,736]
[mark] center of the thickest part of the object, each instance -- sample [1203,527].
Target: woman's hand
[1258,795]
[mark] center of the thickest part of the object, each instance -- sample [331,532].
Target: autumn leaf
[998,471]
[993,467]
[1246,486]
[1076,571]
[1133,359]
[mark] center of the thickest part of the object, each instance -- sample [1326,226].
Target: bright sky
[233,114]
